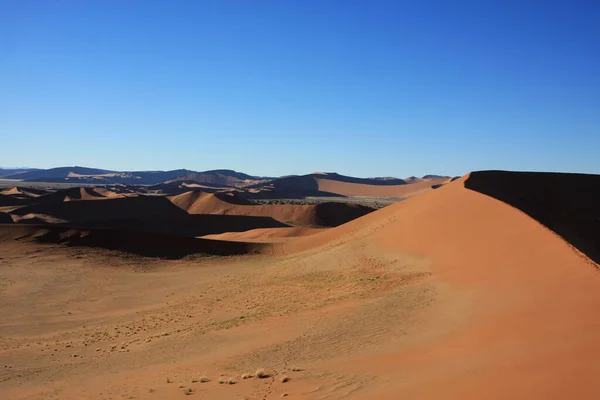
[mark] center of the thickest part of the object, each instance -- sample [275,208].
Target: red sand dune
[353,189]
[19,191]
[331,184]
[568,204]
[266,235]
[531,327]
[231,203]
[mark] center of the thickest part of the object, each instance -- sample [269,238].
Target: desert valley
[222,285]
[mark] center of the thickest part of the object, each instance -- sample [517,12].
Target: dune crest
[232,203]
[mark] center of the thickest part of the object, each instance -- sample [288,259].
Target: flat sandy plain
[451,294]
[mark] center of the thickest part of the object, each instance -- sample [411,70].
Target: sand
[413,188]
[266,235]
[233,203]
[450,294]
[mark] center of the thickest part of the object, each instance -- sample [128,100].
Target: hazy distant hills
[4,172]
[318,183]
[97,176]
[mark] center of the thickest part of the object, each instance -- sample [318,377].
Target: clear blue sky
[364,88]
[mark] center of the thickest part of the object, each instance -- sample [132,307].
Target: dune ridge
[232,203]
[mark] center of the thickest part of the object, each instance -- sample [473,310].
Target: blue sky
[364,88]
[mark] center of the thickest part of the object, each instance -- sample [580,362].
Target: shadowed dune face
[9,200]
[5,218]
[119,208]
[139,243]
[153,214]
[568,204]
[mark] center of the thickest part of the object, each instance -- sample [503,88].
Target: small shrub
[231,381]
[247,375]
[284,379]
[221,380]
[188,391]
[296,369]
[169,380]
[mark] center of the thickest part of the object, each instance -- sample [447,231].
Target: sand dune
[152,214]
[329,184]
[140,243]
[532,298]
[10,200]
[232,203]
[19,191]
[568,204]
[266,235]
[457,293]
[353,189]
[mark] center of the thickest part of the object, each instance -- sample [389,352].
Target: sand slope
[533,322]
[568,204]
[266,235]
[399,191]
[232,203]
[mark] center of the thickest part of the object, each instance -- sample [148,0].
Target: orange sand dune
[29,192]
[266,235]
[355,189]
[531,328]
[231,203]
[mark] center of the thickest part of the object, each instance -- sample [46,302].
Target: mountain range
[220,178]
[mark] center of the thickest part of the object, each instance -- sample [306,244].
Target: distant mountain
[84,175]
[57,173]
[384,181]
[431,177]
[5,172]
[180,180]
[219,178]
